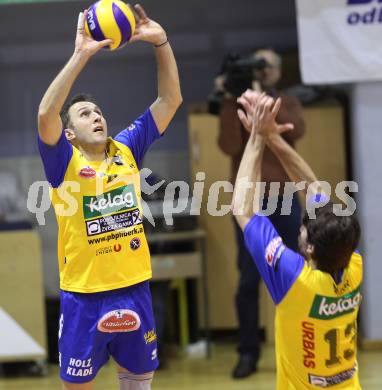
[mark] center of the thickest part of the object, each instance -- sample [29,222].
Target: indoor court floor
[203,374]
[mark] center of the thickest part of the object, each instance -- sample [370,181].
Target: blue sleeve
[278,265]
[139,135]
[55,159]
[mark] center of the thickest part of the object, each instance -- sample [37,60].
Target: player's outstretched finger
[104,43]
[262,104]
[244,119]
[276,107]
[245,103]
[269,103]
[141,13]
[136,16]
[259,111]
[285,127]
[244,96]
[263,99]
[253,96]
[81,21]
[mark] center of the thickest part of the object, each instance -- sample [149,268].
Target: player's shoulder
[356,262]
[356,256]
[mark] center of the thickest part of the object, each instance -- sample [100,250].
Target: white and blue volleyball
[110,19]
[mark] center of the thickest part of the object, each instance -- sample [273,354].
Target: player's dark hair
[81,97]
[334,237]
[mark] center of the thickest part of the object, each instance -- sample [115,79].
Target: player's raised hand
[248,101]
[147,29]
[264,117]
[86,45]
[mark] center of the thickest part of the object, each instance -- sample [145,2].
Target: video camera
[239,77]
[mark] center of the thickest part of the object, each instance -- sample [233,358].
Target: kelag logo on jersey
[120,199]
[113,210]
[327,308]
[364,12]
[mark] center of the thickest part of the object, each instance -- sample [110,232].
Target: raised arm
[295,166]
[246,197]
[49,121]
[169,95]
[291,112]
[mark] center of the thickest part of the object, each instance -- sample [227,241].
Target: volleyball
[110,19]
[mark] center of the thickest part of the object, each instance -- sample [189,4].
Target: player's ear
[310,249]
[70,134]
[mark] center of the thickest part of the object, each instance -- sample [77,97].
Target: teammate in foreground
[104,260]
[317,293]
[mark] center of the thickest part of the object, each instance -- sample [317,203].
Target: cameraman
[262,71]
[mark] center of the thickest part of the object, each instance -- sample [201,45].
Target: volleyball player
[317,291]
[104,260]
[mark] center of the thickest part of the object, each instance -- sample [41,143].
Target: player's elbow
[171,102]
[180,99]
[43,118]
[44,115]
[176,101]
[242,221]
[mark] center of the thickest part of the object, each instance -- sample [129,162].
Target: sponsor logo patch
[135,243]
[120,199]
[327,308]
[87,172]
[150,336]
[119,321]
[154,354]
[113,222]
[328,381]
[79,367]
[275,247]
[61,325]
[116,236]
[108,249]
[364,12]
[117,160]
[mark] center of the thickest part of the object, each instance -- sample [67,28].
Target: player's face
[89,125]
[271,74]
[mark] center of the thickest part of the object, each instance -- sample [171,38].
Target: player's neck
[312,263]
[96,153]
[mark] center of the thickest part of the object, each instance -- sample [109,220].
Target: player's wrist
[161,41]
[272,138]
[81,55]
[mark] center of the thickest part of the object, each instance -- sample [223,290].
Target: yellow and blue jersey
[101,240]
[315,324]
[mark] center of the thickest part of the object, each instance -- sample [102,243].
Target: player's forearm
[168,77]
[294,165]
[246,199]
[58,91]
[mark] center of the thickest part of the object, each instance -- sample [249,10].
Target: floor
[201,374]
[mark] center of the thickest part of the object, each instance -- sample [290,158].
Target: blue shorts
[94,326]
